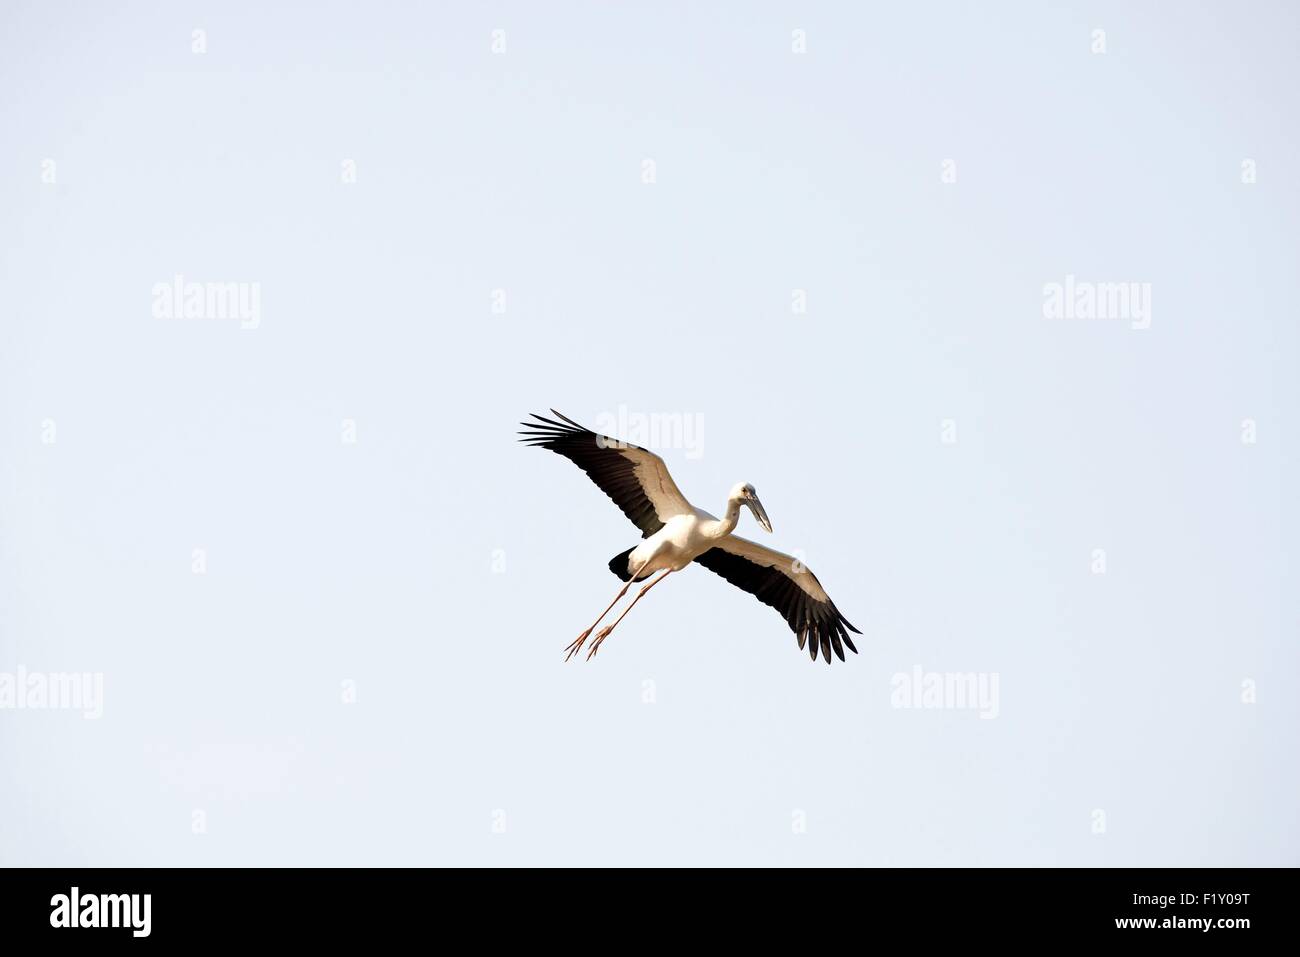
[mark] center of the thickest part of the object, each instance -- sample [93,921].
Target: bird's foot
[600,638]
[576,646]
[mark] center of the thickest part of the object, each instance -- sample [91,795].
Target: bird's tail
[619,566]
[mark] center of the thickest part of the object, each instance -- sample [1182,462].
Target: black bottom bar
[368,906]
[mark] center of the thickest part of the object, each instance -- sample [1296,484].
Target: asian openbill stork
[676,533]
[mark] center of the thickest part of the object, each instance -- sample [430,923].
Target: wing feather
[637,481]
[776,579]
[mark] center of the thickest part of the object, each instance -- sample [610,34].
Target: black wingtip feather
[561,415]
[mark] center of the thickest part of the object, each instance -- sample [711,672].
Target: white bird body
[675,533]
[673,547]
[683,539]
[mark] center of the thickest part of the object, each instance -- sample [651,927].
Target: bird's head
[744,494]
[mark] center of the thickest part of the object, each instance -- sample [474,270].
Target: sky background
[439,568]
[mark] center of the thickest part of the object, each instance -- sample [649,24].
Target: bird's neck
[730,518]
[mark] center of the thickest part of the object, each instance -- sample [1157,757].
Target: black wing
[778,580]
[637,480]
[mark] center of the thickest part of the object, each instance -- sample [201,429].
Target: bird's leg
[604,632]
[576,645]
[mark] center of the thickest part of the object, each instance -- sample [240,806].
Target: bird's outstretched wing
[778,580]
[637,480]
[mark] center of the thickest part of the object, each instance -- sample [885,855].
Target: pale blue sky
[373,562]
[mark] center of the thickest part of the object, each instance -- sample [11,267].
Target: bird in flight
[676,533]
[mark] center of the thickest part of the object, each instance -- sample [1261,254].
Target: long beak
[760,513]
